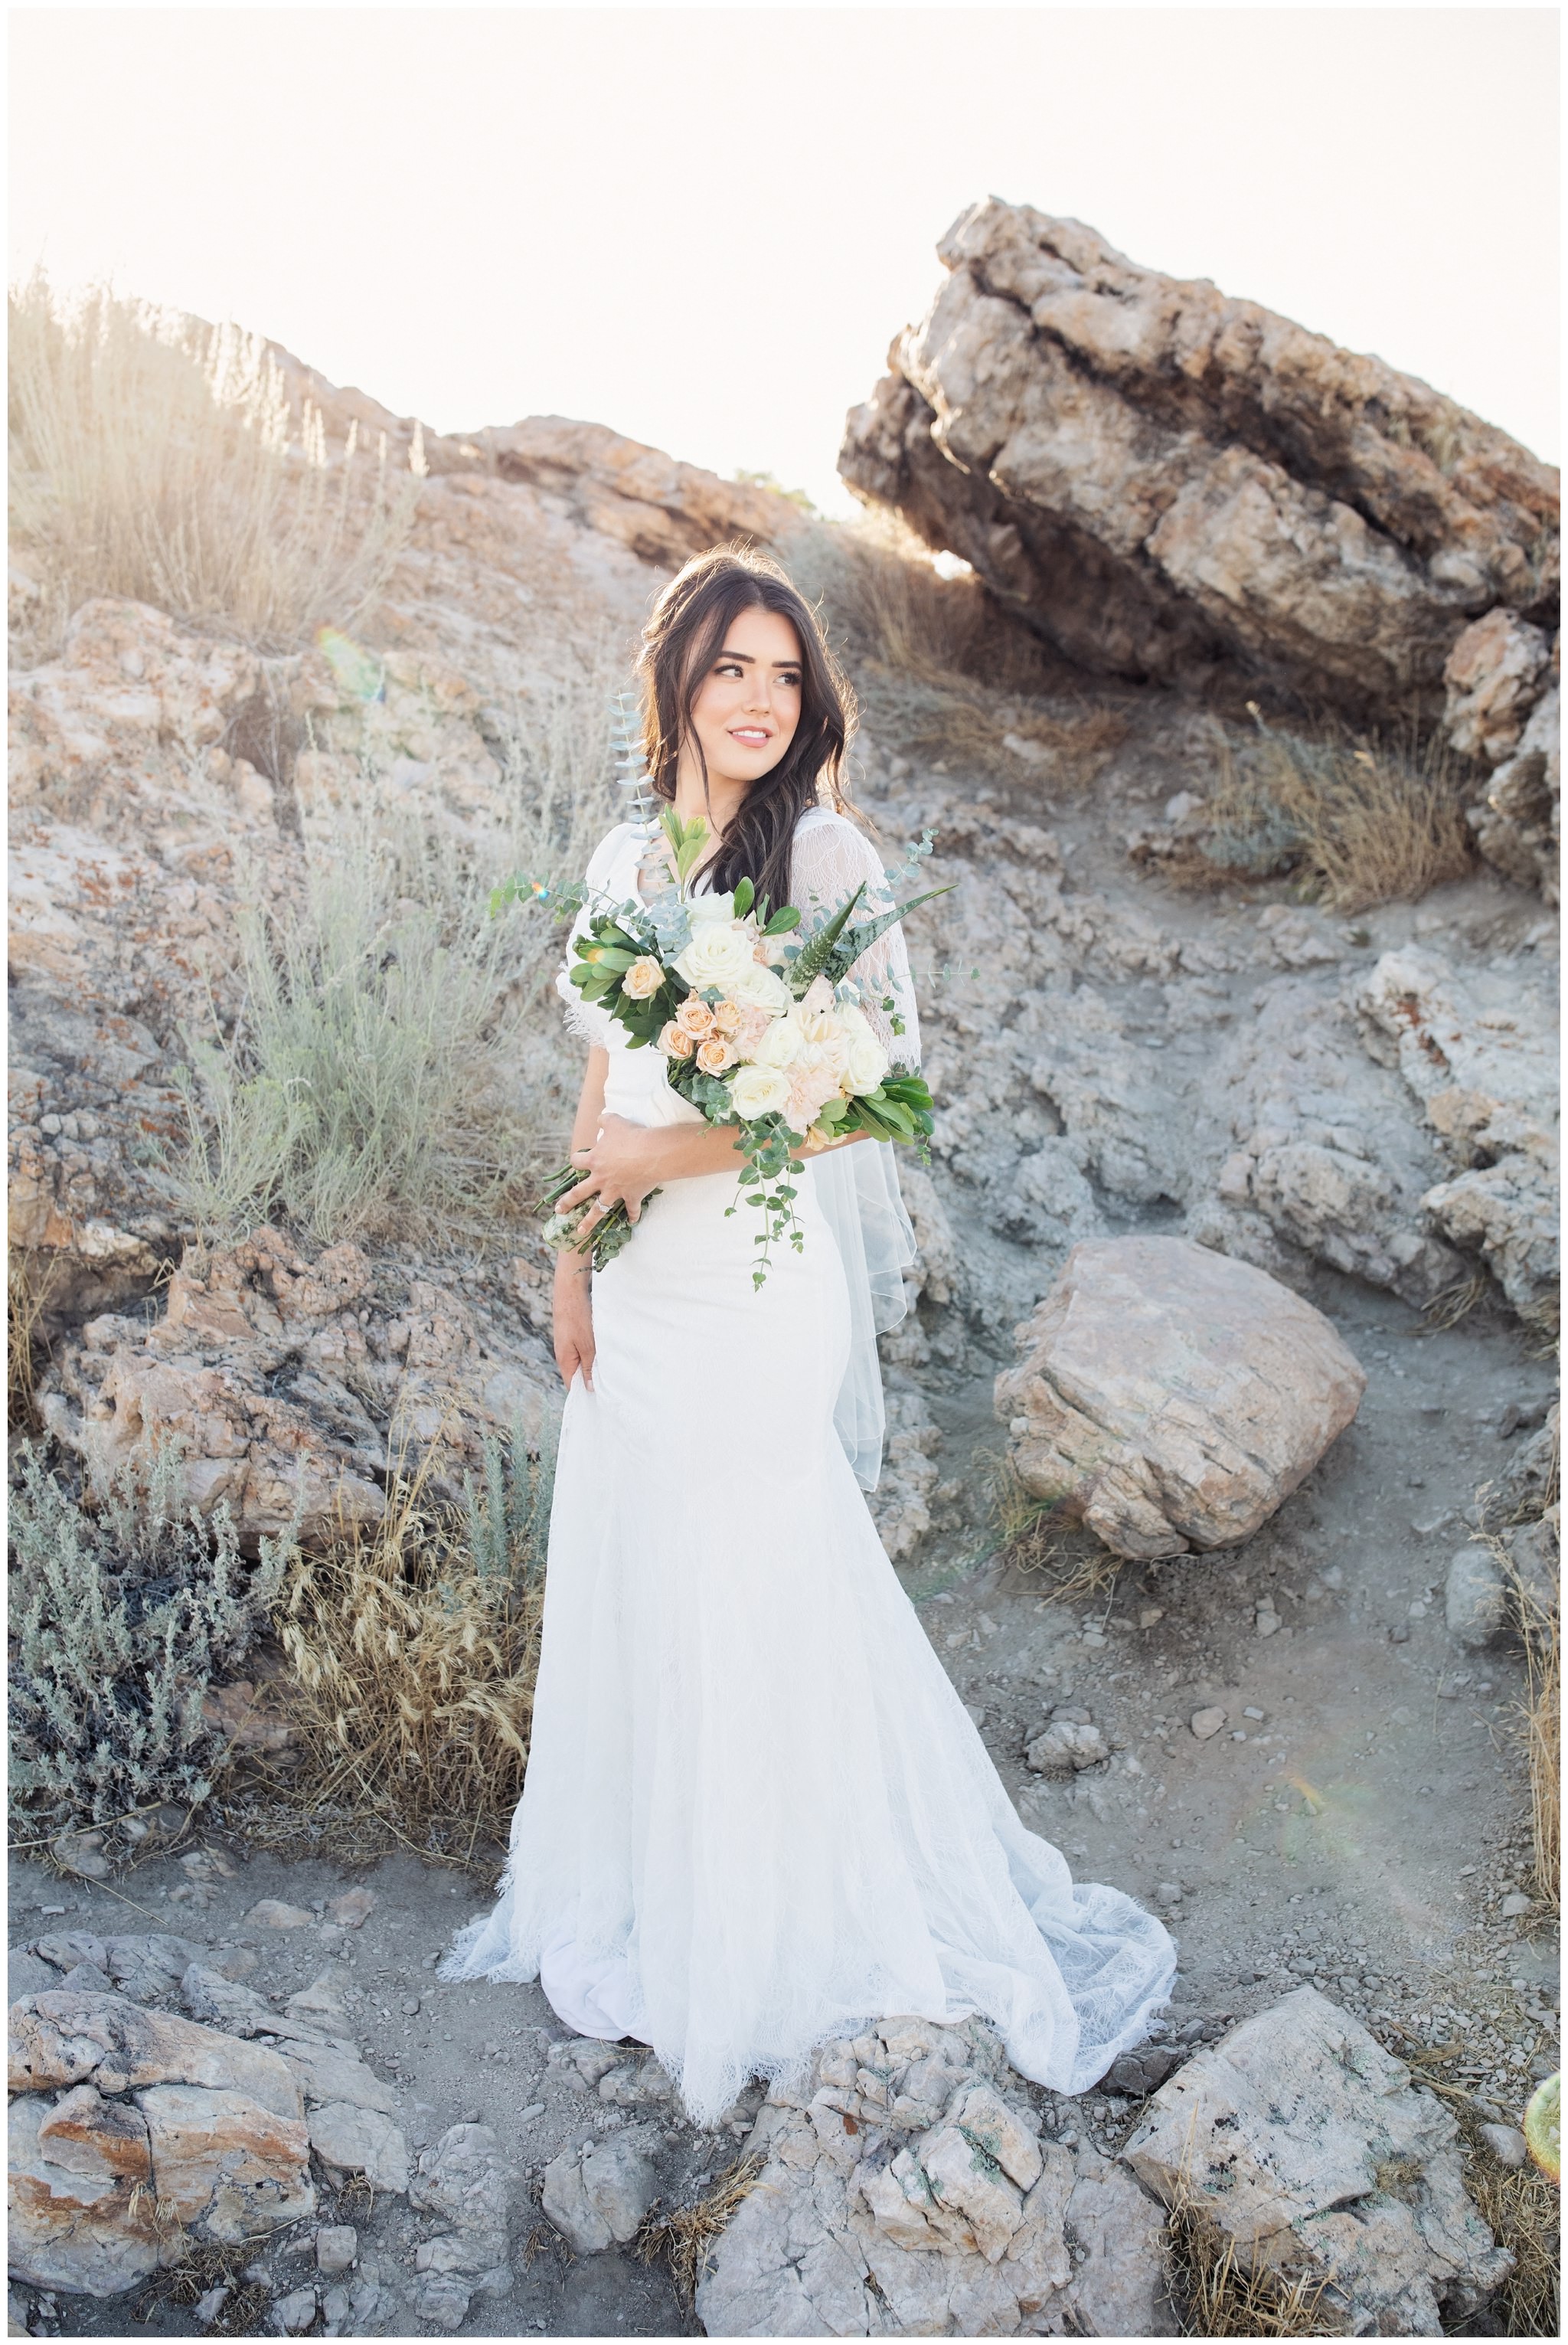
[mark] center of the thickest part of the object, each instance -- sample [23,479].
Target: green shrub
[121,1618]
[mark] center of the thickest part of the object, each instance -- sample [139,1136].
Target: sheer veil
[857,1187]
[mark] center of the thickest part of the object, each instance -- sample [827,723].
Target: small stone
[1150,1614]
[1259,1715]
[527,2116]
[350,1910]
[336,2247]
[411,2005]
[1399,1633]
[206,2308]
[472,2116]
[1169,1893]
[1506,2143]
[294,2313]
[273,1915]
[1066,1748]
[1205,1723]
[1513,1906]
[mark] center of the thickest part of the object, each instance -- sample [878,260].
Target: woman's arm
[573,1311]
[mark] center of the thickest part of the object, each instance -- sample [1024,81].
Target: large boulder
[1170,483]
[132,2131]
[1171,1397]
[1308,2147]
[905,2190]
[1504,709]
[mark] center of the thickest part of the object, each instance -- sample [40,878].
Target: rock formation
[1171,485]
[909,2189]
[1170,1397]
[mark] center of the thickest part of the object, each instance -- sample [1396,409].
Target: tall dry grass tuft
[1540,1718]
[156,457]
[1524,2211]
[413,1648]
[1030,1534]
[28,1279]
[1364,822]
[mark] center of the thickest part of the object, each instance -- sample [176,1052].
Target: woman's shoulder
[831,841]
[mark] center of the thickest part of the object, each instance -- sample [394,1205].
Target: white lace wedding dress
[756,1811]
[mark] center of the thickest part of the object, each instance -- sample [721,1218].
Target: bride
[756,1811]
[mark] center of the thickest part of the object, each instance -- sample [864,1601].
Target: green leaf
[783,921]
[744,895]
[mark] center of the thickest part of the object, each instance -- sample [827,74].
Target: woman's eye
[728,667]
[792,682]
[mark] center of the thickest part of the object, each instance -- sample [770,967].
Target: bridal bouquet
[759,1027]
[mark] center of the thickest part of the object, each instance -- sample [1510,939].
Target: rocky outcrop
[1170,1397]
[1311,2148]
[1486,1079]
[1168,484]
[290,1384]
[906,2191]
[1506,709]
[462,2182]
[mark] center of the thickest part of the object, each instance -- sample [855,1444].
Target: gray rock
[293,2314]
[221,2003]
[1140,2073]
[1506,2143]
[1298,2122]
[599,2199]
[1475,1598]
[440,2299]
[26,1973]
[463,2179]
[361,2141]
[336,2247]
[324,2073]
[1116,2233]
[206,2308]
[1065,1748]
[582,2060]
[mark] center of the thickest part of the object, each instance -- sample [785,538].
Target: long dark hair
[680,642]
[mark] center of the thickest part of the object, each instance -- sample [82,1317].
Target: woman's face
[747,706]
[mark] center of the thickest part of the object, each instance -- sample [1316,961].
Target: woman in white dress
[756,1811]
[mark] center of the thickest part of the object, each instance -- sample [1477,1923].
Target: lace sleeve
[585,1019]
[831,858]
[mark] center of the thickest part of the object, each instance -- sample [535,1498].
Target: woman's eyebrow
[748,659]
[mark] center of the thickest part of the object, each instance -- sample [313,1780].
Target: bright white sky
[703,226]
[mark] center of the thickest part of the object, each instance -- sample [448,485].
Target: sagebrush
[414,1646]
[122,1617]
[158,458]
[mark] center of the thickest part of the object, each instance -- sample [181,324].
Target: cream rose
[720,954]
[759,1090]
[759,989]
[675,1042]
[821,1031]
[714,1055]
[643,979]
[695,1016]
[780,1045]
[867,1062]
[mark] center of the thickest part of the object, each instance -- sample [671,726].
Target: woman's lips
[753,735]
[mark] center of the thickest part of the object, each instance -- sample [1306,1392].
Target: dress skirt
[756,1811]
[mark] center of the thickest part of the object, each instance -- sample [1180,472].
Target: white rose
[759,989]
[822,1029]
[867,1062]
[781,1045]
[719,954]
[704,909]
[759,1090]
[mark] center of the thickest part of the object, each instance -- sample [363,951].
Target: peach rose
[643,979]
[695,1016]
[714,1055]
[675,1042]
[727,1016]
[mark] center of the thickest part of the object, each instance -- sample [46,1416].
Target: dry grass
[682,2239]
[1362,821]
[1031,1534]
[202,2267]
[1220,2293]
[1524,2211]
[156,457]
[28,1281]
[1541,1714]
[414,1647]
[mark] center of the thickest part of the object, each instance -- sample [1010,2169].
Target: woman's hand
[622,1162]
[574,1318]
